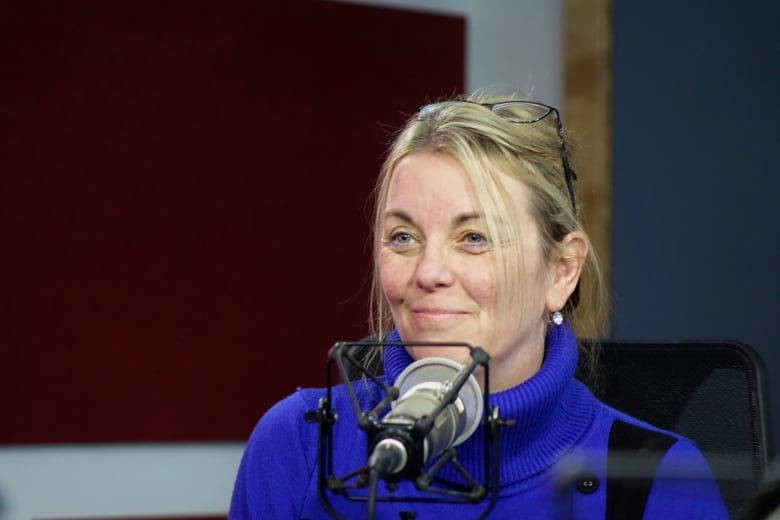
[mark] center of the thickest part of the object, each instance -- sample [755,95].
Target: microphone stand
[342,354]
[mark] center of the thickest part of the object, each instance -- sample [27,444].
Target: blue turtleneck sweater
[553,462]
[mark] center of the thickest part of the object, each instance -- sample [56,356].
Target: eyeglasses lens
[518,112]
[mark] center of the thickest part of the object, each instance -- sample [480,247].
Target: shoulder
[663,469]
[684,483]
[672,455]
[291,409]
[283,426]
[284,444]
[675,452]
[289,414]
[280,445]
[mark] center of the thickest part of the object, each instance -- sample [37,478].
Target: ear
[566,269]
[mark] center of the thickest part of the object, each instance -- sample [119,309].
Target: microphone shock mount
[404,444]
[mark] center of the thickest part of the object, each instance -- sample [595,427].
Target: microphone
[440,406]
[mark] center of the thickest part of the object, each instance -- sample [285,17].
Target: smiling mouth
[437,314]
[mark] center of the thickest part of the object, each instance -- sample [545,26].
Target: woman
[477,240]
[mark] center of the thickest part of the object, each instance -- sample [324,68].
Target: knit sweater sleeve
[278,463]
[684,487]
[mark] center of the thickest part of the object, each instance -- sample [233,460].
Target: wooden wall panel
[588,108]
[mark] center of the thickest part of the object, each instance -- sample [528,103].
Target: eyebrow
[459,219]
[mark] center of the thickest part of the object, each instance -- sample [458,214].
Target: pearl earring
[557,317]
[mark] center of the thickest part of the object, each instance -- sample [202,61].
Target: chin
[460,355]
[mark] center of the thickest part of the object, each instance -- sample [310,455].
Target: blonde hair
[487,145]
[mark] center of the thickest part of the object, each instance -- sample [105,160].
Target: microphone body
[410,435]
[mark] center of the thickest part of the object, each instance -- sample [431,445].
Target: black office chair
[714,393]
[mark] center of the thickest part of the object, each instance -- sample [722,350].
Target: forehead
[426,179]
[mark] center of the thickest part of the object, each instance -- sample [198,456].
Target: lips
[437,314]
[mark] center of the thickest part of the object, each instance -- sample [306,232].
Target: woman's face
[438,271]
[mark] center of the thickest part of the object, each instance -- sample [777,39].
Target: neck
[516,366]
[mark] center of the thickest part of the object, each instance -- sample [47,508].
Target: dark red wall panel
[183,211]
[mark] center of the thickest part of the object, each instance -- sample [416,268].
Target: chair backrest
[714,393]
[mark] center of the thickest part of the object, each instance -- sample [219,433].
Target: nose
[434,268]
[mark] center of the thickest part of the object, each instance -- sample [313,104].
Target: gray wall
[696,250]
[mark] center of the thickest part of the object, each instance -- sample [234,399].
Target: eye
[475,238]
[474,241]
[401,238]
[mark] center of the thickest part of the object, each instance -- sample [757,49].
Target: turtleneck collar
[551,411]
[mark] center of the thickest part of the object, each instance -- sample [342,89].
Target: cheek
[541,282]
[393,275]
[536,276]
[480,282]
